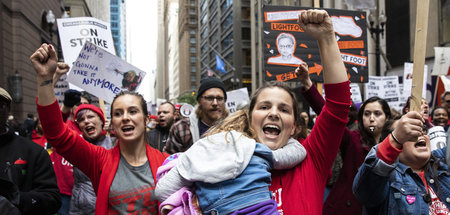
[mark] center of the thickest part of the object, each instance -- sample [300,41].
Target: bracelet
[395,139]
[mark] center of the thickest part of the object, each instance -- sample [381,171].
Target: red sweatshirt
[300,190]
[89,158]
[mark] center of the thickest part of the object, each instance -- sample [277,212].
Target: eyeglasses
[219,99]
[447,101]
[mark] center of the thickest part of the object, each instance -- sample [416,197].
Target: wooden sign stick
[316,3]
[419,53]
[101,103]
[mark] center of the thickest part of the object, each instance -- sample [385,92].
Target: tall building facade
[118,26]
[100,9]
[162,76]
[24,28]
[173,50]
[188,46]
[224,29]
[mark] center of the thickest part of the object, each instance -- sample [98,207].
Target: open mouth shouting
[90,130]
[271,131]
[128,130]
[421,144]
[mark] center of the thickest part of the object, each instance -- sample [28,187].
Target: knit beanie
[93,108]
[208,83]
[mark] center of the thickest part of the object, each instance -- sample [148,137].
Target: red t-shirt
[437,207]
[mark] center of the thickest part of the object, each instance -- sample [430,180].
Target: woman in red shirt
[122,177]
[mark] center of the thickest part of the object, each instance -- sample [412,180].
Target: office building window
[193,78]
[192,32]
[227,22]
[192,11]
[204,49]
[214,37]
[193,69]
[226,5]
[246,35]
[192,2]
[214,21]
[193,59]
[246,57]
[193,50]
[229,58]
[213,6]
[192,40]
[114,9]
[245,13]
[192,21]
[204,34]
[205,19]
[204,6]
[227,41]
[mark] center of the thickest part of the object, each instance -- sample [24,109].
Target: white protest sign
[442,61]
[407,80]
[103,74]
[74,32]
[446,82]
[438,137]
[385,87]
[403,97]
[356,93]
[237,99]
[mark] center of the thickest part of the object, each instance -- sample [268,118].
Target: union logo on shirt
[20,161]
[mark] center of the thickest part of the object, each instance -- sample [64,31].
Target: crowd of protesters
[266,158]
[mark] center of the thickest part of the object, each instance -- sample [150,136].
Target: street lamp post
[51,21]
[15,87]
[377,23]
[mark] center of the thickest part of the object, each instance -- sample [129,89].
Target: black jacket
[28,166]
[157,137]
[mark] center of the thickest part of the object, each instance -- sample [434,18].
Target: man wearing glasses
[211,98]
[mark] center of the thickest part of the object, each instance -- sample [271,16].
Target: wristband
[395,139]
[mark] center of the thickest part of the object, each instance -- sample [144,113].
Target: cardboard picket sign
[356,93]
[237,99]
[385,87]
[73,33]
[103,74]
[286,45]
[438,137]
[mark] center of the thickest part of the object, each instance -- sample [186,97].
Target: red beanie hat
[154,117]
[91,107]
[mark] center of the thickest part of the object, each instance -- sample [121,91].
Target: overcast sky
[141,39]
